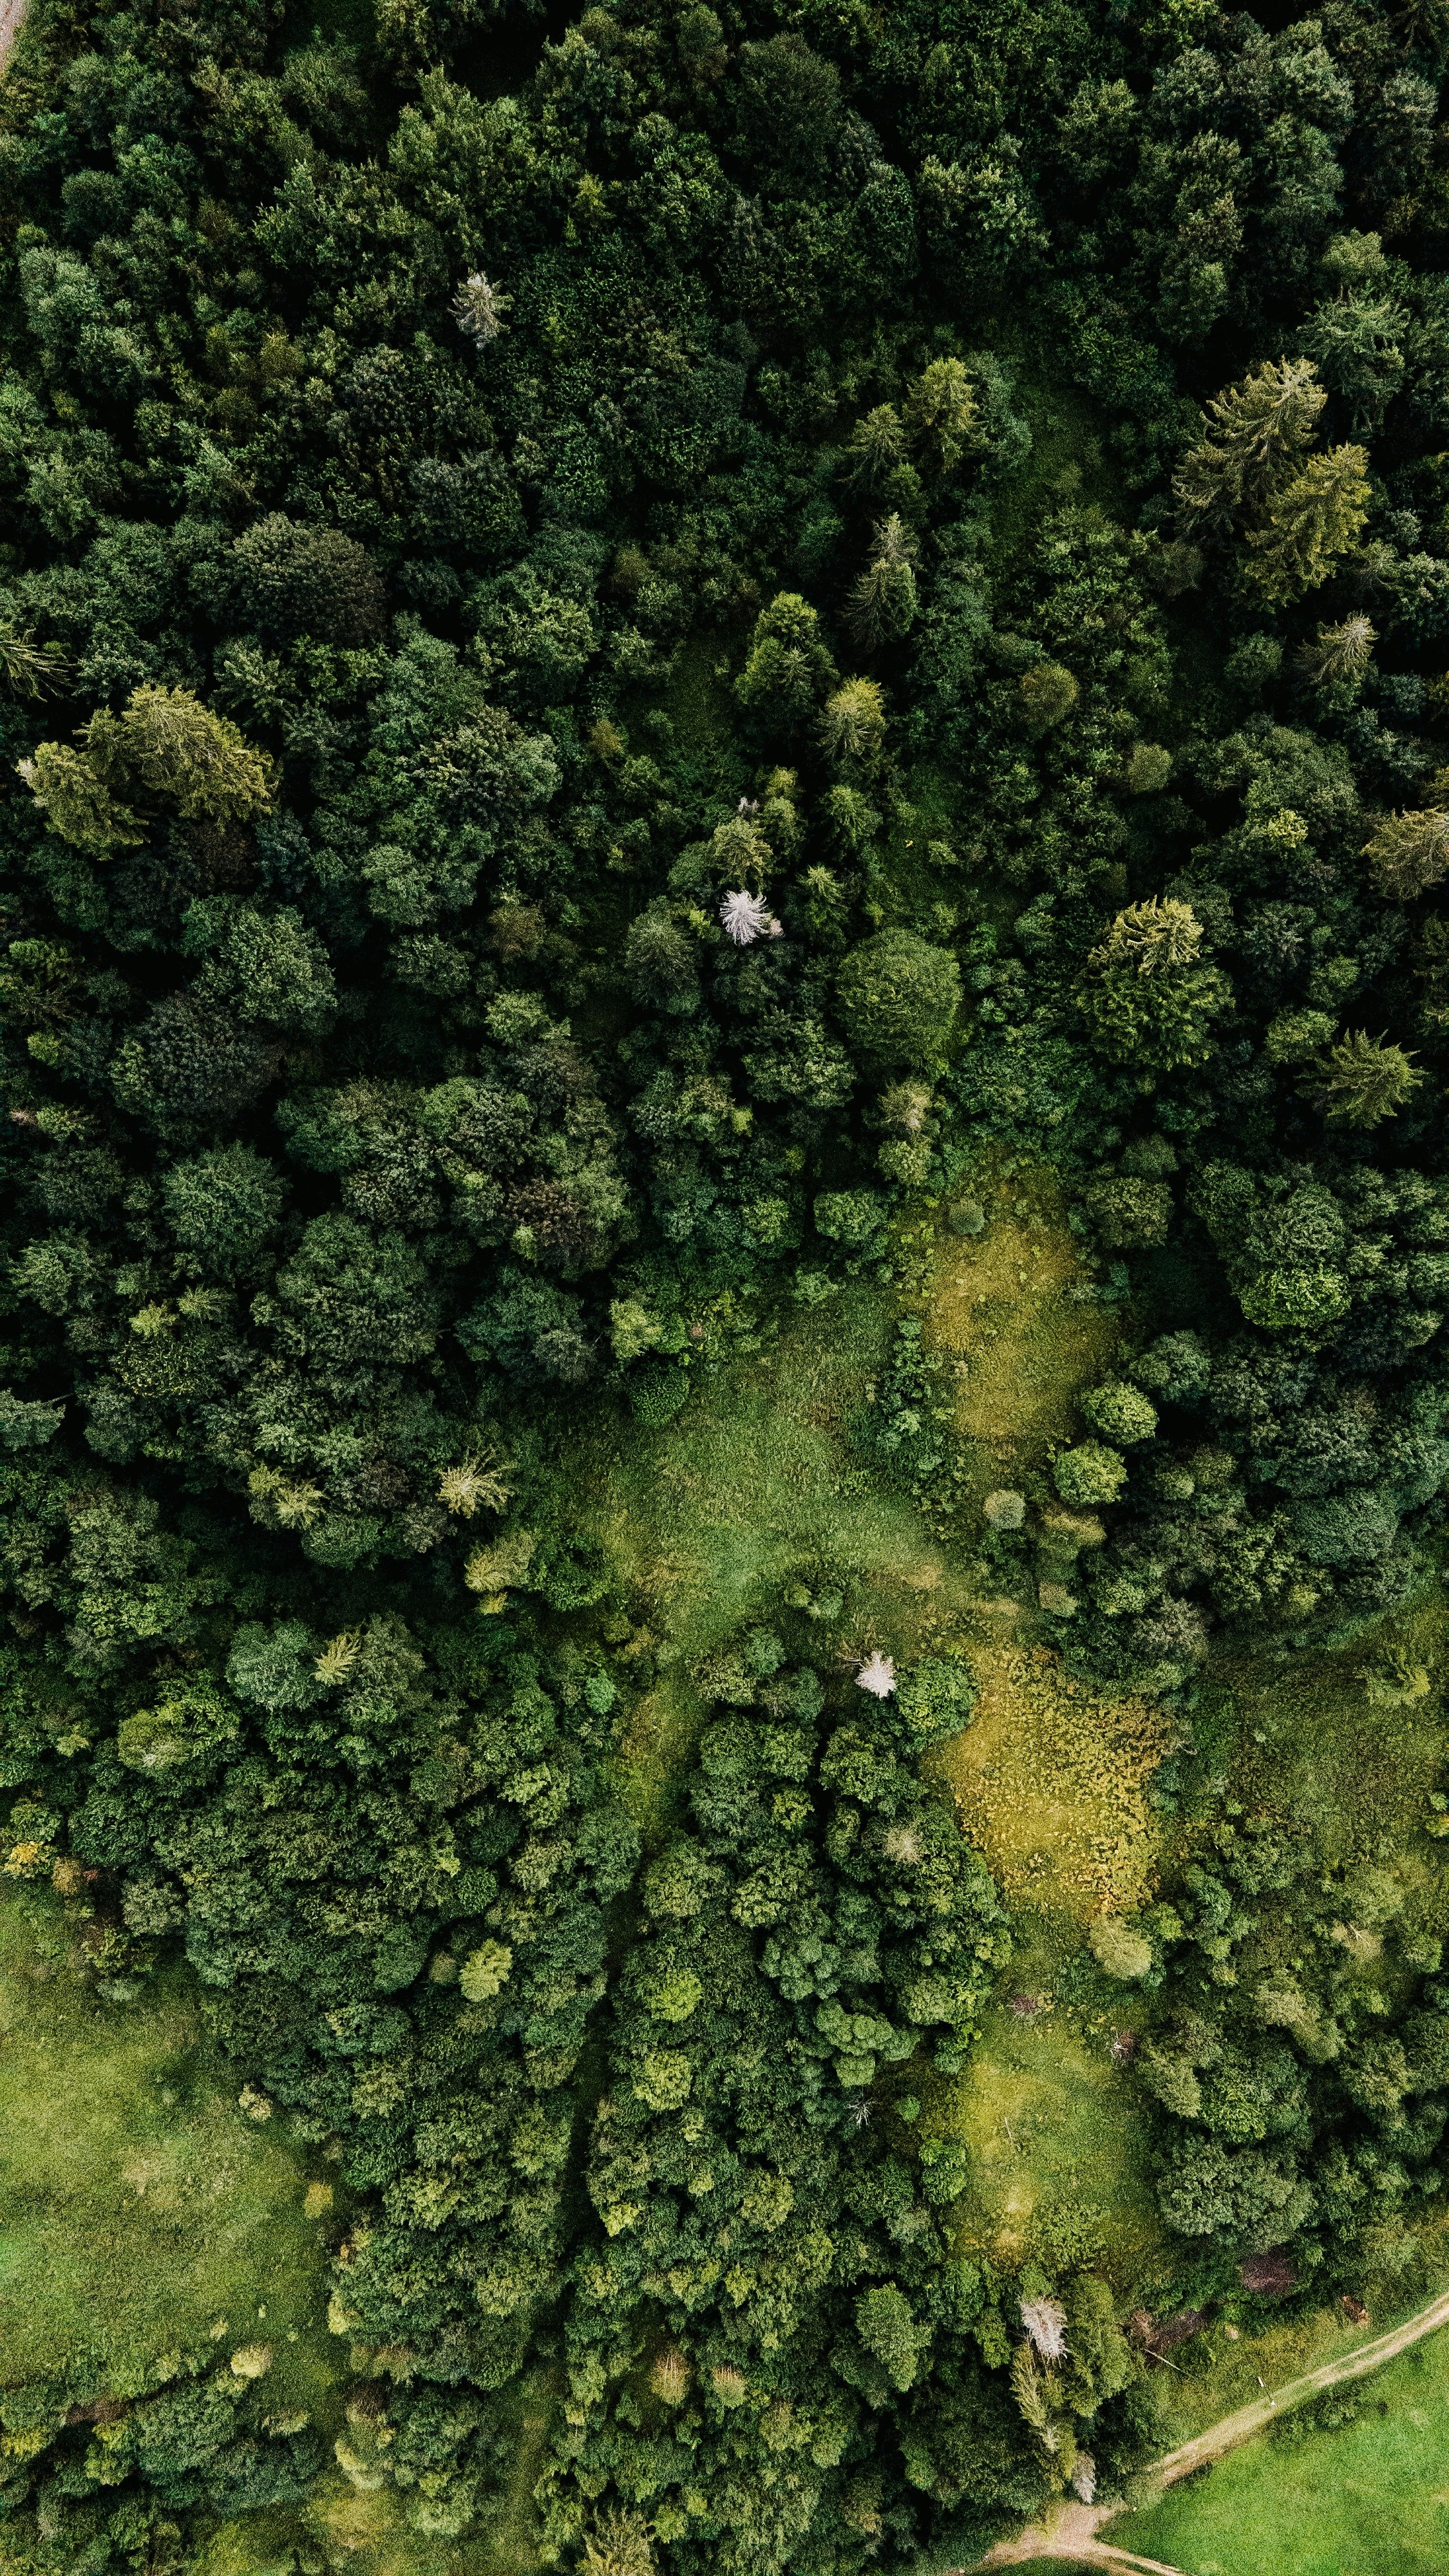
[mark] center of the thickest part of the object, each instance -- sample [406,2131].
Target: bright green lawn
[1371,2499]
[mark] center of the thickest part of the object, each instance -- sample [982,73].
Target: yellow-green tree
[941,411]
[1310,524]
[1408,853]
[165,747]
[1258,434]
[1365,1079]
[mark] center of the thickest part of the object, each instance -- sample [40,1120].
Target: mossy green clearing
[148,2222]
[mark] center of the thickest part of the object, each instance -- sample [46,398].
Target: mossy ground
[1305,1740]
[143,2213]
[759,1480]
[1058,2168]
[1014,1316]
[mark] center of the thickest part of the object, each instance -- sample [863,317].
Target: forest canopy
[575,755]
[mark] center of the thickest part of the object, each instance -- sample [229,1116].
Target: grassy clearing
[1057,2163]
[753,1484]
[143,2213]
[1050,1779]
[1005,1311]
[1370,2499]
[754,1480]
[1050,1783]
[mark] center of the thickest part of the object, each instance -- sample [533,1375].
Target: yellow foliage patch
[1050,1784]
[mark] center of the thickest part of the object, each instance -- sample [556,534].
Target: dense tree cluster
[551,779]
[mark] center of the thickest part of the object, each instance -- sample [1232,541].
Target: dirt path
[1073,2533]
[11,13]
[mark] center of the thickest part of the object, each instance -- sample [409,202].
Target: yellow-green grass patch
[1012,1311]
[1051,1782]
[1055,2133]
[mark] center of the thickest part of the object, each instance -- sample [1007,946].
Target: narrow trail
[1073,2533]
[11,13]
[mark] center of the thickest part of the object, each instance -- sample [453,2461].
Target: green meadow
[1367,2497]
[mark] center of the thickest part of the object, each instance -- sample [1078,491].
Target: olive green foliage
[1295,1035]
[1091,1473]
[1048,693]
[1256,435]
[1408,853]
[1119,1412]
[1366,1079]
[1303,511]
[884,601]
[1148,998]
[1310,524]
[165,746]
[298,580]
[620,664]
[898,996]
[852,725]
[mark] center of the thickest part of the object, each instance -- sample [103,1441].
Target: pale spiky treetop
[477,1485]
[1084,2478]
[877,1675]
[1259,430]
[1046,2322]
[338,1657]
[747,917]
[942,405]
[479,308]
[1340,652]
[892,541]
[1153,937]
